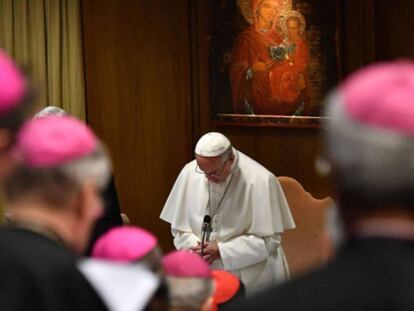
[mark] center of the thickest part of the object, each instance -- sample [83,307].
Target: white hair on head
[189,293]
[50,111]
[368,157]
[227,154]
[95,167]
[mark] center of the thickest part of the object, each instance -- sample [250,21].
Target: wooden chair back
[308,245]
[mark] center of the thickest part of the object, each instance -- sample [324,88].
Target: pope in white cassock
[247,207]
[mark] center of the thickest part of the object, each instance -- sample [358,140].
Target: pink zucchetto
[382,96]
[12,84]
[53,141]
[124,244]
[185,264]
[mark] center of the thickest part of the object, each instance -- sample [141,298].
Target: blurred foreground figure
[370,143]
[53,194]
[111,216]
[136,246]
[228,290]
[15,106]
[129,244]
[189,281]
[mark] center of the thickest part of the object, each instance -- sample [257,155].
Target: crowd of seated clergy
[55,172]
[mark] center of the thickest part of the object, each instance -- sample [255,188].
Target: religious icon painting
[271,62]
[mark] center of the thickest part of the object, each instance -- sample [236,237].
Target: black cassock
[39,273]
[111,216]
[368,274]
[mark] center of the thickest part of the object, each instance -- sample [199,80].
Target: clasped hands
[211,251]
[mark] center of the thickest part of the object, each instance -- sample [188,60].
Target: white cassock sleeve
[184,240]
[247,250]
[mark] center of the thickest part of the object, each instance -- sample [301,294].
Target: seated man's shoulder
[253,169]
[34,262]
[188,171]
[190,166]
[21,247]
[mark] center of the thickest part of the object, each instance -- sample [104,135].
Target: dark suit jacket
[368,274]
[40,274]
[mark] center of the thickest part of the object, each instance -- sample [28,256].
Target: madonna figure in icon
[269,60]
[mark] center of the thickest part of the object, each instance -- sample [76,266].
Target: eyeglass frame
[213,174]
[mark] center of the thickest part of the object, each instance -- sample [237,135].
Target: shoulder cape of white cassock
[122,287]
[254,203]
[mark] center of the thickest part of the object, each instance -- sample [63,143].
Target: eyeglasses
[215,174]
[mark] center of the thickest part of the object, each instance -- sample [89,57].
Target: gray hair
[189,294]
[227,154]
[372,165]
[153,260]
[56,185]
[50,111]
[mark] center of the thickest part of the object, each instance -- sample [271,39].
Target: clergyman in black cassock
[53,197]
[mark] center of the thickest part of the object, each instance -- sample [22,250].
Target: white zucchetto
[212,144]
